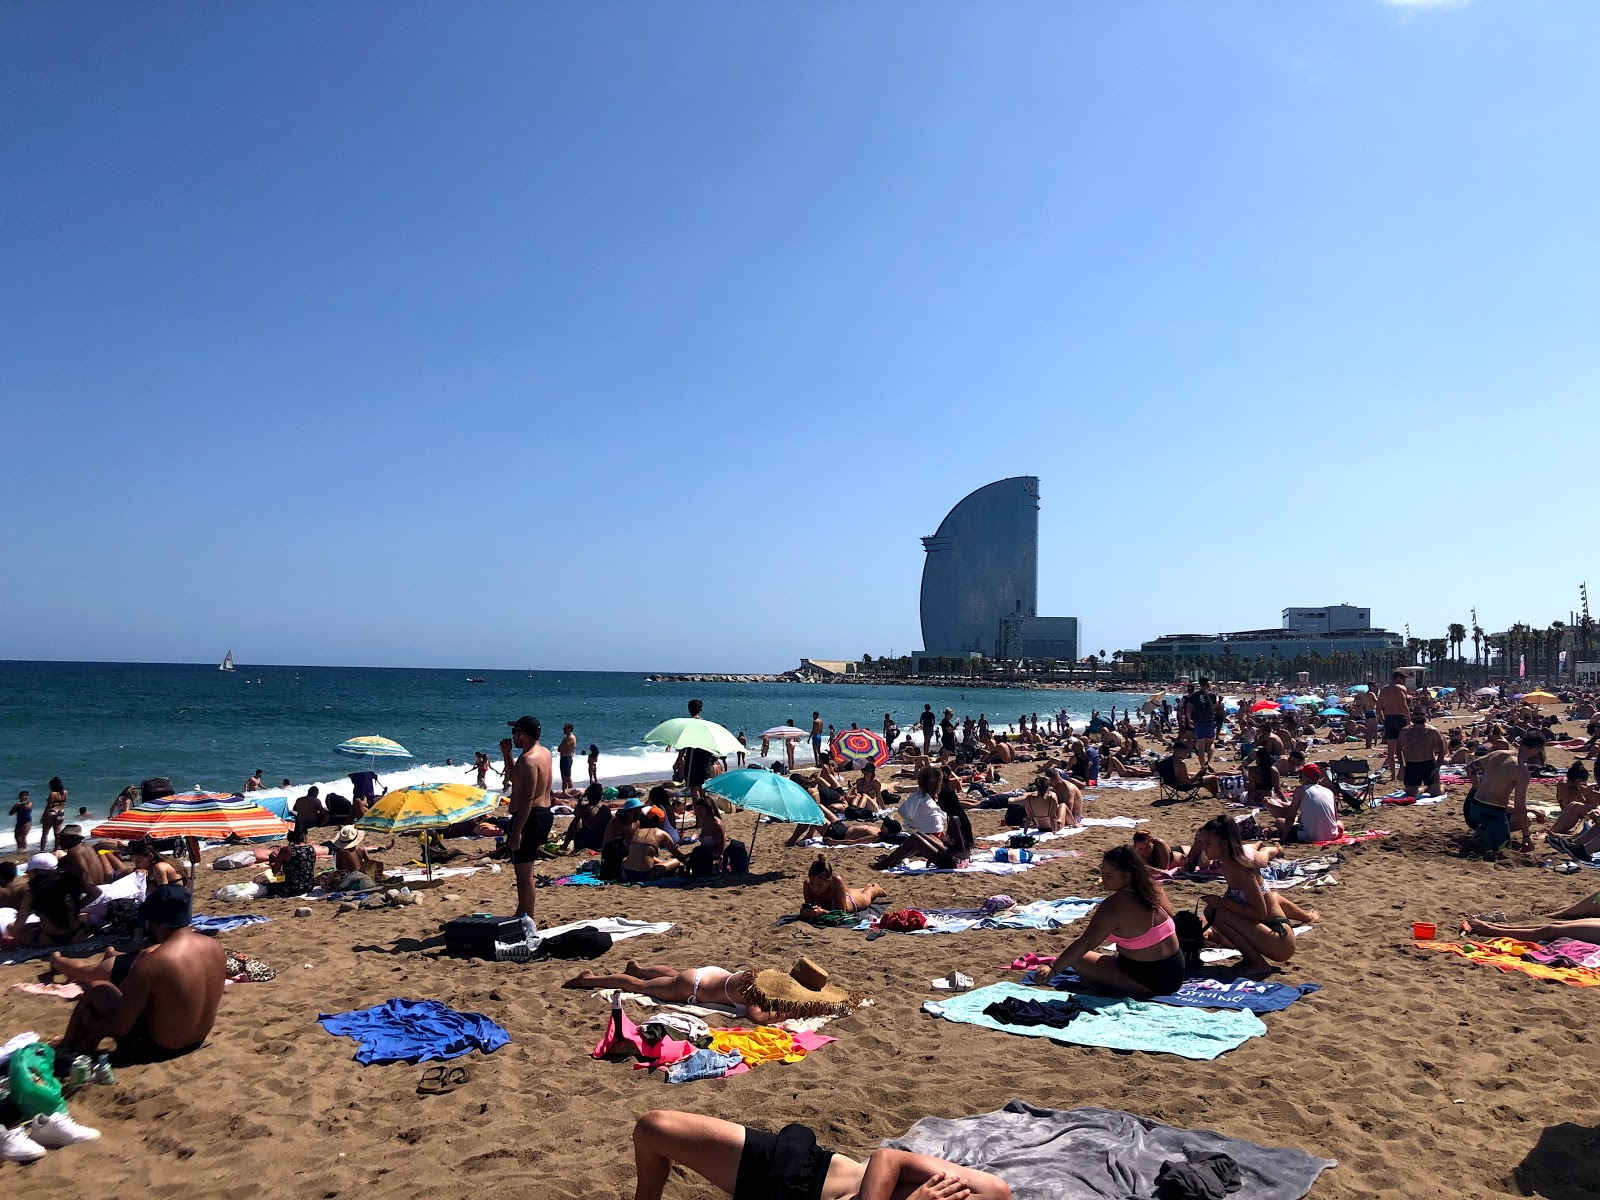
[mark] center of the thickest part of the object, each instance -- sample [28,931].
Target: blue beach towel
[1203,991]
[414,1031]
[226,924]
[1114,1024]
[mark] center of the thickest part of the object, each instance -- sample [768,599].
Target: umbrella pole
[753,838]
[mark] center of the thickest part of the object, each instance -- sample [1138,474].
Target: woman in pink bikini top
[1137,919]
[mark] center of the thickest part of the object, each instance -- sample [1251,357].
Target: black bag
[1203,708]
[1191,938]
[1021,841]
[583,942]
[475,937]
[611,856]
[1016,814]
[701,863]
[736,858]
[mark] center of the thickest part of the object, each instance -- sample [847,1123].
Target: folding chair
[1353,777]
[1170,788]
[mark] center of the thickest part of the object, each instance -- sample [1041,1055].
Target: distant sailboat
[227,662]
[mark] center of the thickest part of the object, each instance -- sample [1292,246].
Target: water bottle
[102,1072]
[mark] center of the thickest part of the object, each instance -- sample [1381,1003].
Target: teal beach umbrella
[769,793]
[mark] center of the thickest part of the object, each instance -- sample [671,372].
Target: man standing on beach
[698,767]
[1369,713]
[816,739]
[1204,709]
[1422,751]
[565,752]
[1394,708]
[531,818]
[927,729]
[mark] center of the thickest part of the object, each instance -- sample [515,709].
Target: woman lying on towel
[752,1164]
[1137,918]
[824,891]
[1246,917]
[699,985]
[1581,922]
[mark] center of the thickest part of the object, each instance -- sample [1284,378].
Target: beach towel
[1120,784]
[226,924]
[414,1031]
[60,991]
[1115,1024]
[1098,1153]
[620,928]
[1041,914]
[1203,991]
[1507,954]
[1088,823]
[1400,797]
[76,950]
[1567,952]
[817,843]
[976,867]
[1284,873]
[1350,839]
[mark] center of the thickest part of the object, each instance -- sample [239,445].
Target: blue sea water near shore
[101,726]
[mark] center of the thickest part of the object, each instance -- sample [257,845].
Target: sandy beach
[1421,1073]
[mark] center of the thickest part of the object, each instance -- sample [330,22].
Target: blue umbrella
[769,793]
[1288,706]
[1335,711]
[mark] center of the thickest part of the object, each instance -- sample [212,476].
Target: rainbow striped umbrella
[372,746]
[858,746]
[194,814]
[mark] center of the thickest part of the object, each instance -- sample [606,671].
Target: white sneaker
[55,1130]
[17,1146]
[530,931]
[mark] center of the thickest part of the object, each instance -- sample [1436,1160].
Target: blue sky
[655,336]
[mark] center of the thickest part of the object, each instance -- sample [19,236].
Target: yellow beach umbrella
[1541,698]
[423,807]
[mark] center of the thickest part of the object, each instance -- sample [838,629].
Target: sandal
[441,1080]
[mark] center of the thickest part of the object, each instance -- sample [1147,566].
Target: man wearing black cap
[157,1004]
[531,818]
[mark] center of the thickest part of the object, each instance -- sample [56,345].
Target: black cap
[528,725]
[167,905]
[157,788]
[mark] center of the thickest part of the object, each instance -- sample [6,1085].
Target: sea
[102,726]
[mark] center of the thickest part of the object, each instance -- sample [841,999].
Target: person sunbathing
[1580,804]
[1112,766]
[1175,769]
[1246,917]
[1581,922]
[862,833]
[752,1164]
[823,891]
[1156,852]
[1137,919]
[158,1004]
[697,985]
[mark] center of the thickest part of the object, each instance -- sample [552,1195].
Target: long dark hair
[1143,885]
[951,804]
[1264,765]
[1226,830]
[56,785]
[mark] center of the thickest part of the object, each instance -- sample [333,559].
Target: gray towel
[1099,1153]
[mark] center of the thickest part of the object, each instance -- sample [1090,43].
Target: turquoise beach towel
[1114,1024]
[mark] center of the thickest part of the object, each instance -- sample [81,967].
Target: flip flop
[442,1080]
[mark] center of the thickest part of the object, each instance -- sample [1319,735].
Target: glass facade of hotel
[982,565]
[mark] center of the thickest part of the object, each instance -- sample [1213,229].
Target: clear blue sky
[655,335]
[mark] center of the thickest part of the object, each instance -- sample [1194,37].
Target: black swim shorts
[1392,725]
[1163,976]
[787,1165]
[1420,774]
[137,1047]
[535,833]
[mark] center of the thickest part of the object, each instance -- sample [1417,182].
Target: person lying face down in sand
[751,1164]
[698,985]
[157,1004]
[824,891]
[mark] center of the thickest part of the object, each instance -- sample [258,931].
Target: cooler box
[475,937]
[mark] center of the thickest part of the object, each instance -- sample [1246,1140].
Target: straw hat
[803,992]
[348,836]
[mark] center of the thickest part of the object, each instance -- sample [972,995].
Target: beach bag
[903,920]
[1191,938]
[584,942]
[1021,841]
[611,856]
[1202,709]
[736,858]
[34,1087]
[1016,814]
[701,863]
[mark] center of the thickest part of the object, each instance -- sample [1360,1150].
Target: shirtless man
[1394,708]
[157,1004]
[567,751]
[1055,803]
[816,739]
[1369,713]
[1422,751]
[82,860]
[1500,786]
[531,818]
[254,784]
[308,811]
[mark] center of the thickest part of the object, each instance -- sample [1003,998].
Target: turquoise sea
[101,726]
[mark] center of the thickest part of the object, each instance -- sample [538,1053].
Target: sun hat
[43,862]
[631,804]
[348,836]
[803,992]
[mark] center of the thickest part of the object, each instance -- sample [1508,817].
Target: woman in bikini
[55,812]
[697,985]
[1247,917]
[1137,918]
[1156,852]
[752,1164]
[823,891]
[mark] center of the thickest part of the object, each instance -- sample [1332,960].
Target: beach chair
[1171,789]
[1352,777]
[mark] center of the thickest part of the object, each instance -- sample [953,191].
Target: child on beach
[594,763]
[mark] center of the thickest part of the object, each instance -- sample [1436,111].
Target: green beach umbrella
[694,733]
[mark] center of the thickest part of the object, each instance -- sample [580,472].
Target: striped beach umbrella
[426,806]
[210,815]
[372,746]
[858,746]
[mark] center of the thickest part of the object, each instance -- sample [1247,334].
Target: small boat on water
[474,678]
[227,662]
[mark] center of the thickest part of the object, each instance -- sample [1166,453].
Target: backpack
[1203,708]
[611,856]
[736,859]
[584,942]
[1191,938]
[701,863]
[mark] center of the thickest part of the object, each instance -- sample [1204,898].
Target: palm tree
[1457,634]
[1558,632]
[1477,649]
